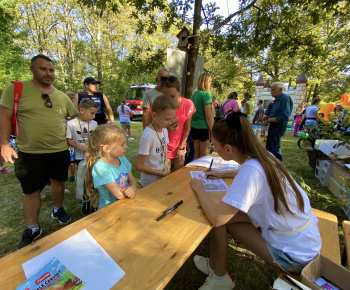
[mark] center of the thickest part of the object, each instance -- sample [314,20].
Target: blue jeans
[273,142]
[286,263]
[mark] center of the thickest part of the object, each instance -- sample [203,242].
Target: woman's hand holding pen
[215,174]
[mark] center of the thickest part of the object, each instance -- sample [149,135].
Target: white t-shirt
[310,111]
[124,117]
[251,194]
[156,159]
[79,134]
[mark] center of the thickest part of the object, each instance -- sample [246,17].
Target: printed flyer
[54,276]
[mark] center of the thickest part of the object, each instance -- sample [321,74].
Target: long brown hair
[106,134]
[236,131]
[122,105]
[203,82]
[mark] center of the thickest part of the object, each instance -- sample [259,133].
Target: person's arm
[317,116]
[219,214]
[145,117]
[214,174]
[108,109]
[209,115]
[75,101]
[187,128]
[260,117]
[7,151]
[248,108]
[71,143]
[140,166]
[131,189]
[115,190]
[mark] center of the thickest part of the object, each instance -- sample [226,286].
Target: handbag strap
[17,94]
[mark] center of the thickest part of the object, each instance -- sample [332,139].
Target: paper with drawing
[210,184]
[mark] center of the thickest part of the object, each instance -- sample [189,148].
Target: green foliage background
[121,42]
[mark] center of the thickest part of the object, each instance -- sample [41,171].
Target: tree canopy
[124,41]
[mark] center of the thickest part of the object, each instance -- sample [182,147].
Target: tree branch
[227,20]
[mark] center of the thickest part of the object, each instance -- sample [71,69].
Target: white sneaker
[131,139]
[126,135]
[202,264]
[212,284]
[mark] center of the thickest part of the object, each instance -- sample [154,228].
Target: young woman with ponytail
[264,209]
[124,118]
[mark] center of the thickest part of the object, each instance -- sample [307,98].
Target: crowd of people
[309,118]
[264,208]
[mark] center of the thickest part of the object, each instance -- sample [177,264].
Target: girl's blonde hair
[162,103]
[203,82]
[236,131]
[106,134]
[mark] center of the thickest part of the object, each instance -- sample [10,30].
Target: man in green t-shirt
[43,151]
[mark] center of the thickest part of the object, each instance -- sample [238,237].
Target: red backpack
[16,95]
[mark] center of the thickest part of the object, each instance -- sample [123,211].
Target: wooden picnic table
[150,252]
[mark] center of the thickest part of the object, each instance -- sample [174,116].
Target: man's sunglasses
[48,103]
[170,79]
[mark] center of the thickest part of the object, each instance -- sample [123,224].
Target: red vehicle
[134,98]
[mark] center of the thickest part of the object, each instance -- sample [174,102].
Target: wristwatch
[182,148]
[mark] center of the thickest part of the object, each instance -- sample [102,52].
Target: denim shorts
[284,261]
[310,124]
[125,123]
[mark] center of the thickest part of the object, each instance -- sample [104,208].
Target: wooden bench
[328,227]
[346,226]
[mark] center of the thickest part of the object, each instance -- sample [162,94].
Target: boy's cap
[91,80]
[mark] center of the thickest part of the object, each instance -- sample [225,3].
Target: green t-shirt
[41,129]
[200,99]
[251,108]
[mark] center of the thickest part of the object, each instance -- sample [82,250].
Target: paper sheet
[210,184]
[84,257]
[218,164]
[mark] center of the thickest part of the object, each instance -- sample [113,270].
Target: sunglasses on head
[48,103]
[170,79]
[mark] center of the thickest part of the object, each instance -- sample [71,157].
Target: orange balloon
[345,99]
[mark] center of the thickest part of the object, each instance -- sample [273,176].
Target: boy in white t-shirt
[78,132]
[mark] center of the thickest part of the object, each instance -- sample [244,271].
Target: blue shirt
[104,173]
[282,108]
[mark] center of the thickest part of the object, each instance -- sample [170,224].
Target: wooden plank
[346,226]
[149,252]
[328,226]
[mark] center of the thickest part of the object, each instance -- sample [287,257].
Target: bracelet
[181,148]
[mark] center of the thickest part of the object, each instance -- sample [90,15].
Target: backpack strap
[17,94]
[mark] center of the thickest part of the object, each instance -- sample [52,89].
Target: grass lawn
[250,272]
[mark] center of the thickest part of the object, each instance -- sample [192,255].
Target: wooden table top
[149,252]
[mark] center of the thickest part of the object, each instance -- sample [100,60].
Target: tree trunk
[99,53]
[315,91]
[192,57]
[309,93]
